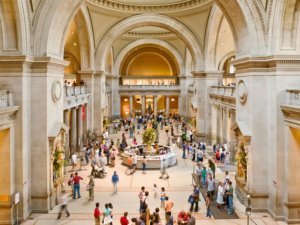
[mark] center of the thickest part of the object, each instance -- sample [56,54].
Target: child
[155,190]
[207,203]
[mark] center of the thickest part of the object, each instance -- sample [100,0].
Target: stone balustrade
[73,91]
[6,98]
[149,87]
[223,95]
[75,96]
[223,90]
[291,108]
[293,97]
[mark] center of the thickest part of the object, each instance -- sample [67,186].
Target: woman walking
[220,196]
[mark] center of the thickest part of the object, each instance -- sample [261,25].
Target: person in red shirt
[76,181]
[124,219]
[97,214]
[182,218]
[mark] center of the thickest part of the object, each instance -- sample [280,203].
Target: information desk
[153,161]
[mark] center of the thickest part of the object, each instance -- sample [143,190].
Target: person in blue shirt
[115,180]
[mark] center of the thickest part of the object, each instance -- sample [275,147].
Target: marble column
[73,130]
[79,127]
[219,125]
[214,125]
[95,81]
[67,122]
[203,81]
[225,125]
[143,105]
[231,141]
[131,106]
[167,105]
[84,124]
[155,105]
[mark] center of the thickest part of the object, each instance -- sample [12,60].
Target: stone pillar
[203,80]
[231,142]
[84,124]
[225,125]
[19,79]
[219,125]
[74,141]
[214,125]
[46,118]
[95,82]
[115,104]
[131,106]
[79,127]
[183,97]
[155,105]
[67,122]
[143,105]
[167,105]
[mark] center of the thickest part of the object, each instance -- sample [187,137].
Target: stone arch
[14,28]
[223,60]
[149,20]
[247,21]
[286,14]
[49,26]
[85,35]
[215,20]
[157,42]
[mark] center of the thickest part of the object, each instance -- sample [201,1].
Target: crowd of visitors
[103,153]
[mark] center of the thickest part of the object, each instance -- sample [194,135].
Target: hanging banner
[83,112]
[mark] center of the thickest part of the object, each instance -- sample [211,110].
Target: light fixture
[125,99]
[75,44]
[172,99]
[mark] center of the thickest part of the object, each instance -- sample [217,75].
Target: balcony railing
[228,91]
[293,97]
[75,96]
[291,108]
[223,95]
[149,88]
[6,98]
[74,90]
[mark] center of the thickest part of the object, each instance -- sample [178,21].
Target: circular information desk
[155,158]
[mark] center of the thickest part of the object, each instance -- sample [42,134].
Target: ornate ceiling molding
[163,35]
[179,6]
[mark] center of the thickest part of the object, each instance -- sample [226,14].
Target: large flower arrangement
[58,162]
[149,136]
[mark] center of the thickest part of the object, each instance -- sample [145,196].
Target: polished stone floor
[178,188]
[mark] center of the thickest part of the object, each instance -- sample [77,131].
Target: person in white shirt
[64,204]
[74,161]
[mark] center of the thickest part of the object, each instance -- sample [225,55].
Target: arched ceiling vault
[171,50]
[148,49]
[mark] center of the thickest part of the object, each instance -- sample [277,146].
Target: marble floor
[178,188]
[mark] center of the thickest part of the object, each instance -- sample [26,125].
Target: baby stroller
[98,172]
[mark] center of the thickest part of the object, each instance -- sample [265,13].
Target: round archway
[149,20]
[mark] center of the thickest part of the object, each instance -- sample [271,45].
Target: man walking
[76,180]
[97,214]
[168,208]
[115,180]
[64,204]
[196,199]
